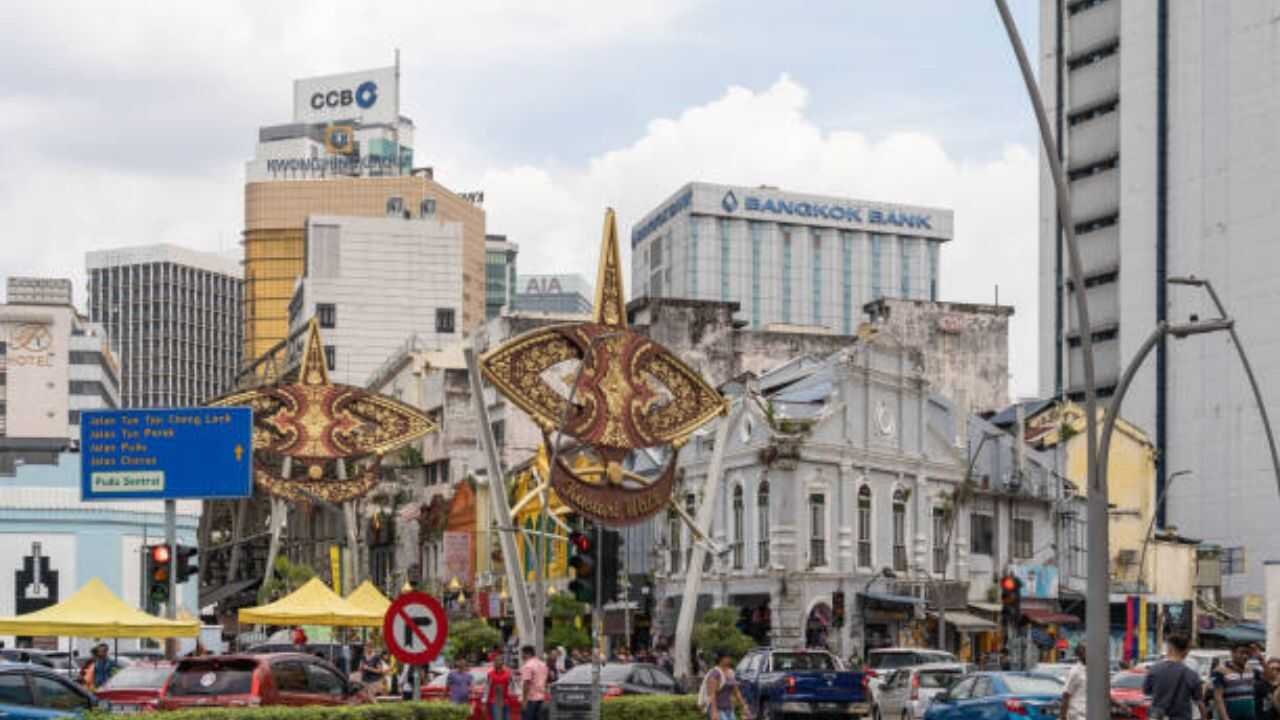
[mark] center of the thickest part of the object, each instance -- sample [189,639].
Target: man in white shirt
[1074,693]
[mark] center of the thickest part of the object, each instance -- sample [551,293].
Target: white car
[906,693]
[886,660]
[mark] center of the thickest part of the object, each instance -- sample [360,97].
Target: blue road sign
[166,453]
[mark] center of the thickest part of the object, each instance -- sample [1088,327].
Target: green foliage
[717,633]
[470,639]
[286,578]
[563,607]
[568,636]
[381,711]
[650,707]
[565,613]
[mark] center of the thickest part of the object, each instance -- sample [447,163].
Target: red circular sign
[415,628]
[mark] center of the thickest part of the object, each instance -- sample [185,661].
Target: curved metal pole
[1151,526]
[1098,609]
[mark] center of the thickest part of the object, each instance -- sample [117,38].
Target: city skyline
[621,138]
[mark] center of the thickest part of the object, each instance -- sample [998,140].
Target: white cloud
[749,137]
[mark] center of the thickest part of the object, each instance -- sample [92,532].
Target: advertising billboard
[1038,581]
[36,359]
[368,96]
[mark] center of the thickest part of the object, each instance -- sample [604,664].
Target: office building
[786,258]
[564,294]
[1167,118]
[372,282]
[54,363]
[174,318]
[344,173]
[499,274]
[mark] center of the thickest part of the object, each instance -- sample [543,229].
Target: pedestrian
[458,683]
[553,666]
[720,691]
[372,669]
[533,684]
[1266,688]
[498,698]
[563,663]
[1233,685]
[1074,692]
[101,667]
[299,638]
[1172,686]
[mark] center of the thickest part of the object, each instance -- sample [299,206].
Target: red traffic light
[160,554]
[580,541]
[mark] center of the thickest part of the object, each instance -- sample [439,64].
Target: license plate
[575,698]
[1050,709]
[831,706]
[125,709]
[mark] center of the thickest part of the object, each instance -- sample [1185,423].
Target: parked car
[907,693]
[34,692]
[999,696]
[879,662]
[137,688]
[250,680]
[1126,692]
[437,690]
[1058,670]
[776,683]
[619,679]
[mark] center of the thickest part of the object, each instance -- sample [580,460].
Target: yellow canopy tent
[312,604]
[369,598]
[95,612]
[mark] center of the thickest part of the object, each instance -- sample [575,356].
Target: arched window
[762,525]
[864,527]
[737,527]
[899,530]
[817,530]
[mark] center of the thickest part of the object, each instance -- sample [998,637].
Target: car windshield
[139,677]
[891,660]
[581,674]
[221,677]
[939,678]
[787,661]
[1128,681]
[1033,685]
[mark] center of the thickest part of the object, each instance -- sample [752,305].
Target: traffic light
[610,565]
[837,608]
[187,565]
[1010,598]
[584,565]
[158,558]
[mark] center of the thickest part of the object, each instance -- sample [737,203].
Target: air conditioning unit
[1127,557]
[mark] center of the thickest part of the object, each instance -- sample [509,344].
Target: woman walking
[722,691]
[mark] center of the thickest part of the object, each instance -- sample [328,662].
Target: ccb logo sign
[364,96]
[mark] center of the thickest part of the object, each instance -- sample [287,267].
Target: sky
[133,126]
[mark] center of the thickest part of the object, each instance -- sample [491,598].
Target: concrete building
[786,258]
[52,543]
[1168,135]
[318,178]
[499,274]
[964,347]
[372,282]
[564,294]
[175,319]
[849,484]
[54,363]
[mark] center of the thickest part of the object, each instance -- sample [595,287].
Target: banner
[457,557]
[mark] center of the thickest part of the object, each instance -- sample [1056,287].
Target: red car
[137,687]
[1126,692]
[251,680]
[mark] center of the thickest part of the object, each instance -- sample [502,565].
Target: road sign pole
[417,682]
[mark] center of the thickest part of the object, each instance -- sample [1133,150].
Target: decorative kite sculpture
[627,392]
[315,424]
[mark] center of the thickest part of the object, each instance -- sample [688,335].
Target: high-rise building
[562,294]
[346,153]
[373,282]
[787,259]
[54,363]
[174,318]
[499,274]
[1167,121]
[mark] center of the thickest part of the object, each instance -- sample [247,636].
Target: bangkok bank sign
[370,96]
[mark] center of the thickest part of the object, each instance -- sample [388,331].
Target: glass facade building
[787,258]
[499,274]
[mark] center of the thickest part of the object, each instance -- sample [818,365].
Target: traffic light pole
[171,537]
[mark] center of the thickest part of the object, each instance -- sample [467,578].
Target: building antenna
[396,123]
[997,294]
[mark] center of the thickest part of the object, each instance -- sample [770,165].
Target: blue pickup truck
[800,685]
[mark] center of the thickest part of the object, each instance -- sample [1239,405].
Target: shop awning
[369,598]
[891,599]
[1238,633]
[966,622]
[312,604]
[1045,616]
[992,608]
[96,612]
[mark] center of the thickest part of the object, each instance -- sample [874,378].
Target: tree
[717,633]
[566,623]
[286,578]
[470,639]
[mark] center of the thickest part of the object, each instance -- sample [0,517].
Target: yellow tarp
[95,612]
[311,604]
[369,598]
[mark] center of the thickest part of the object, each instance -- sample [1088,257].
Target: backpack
[704,693]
